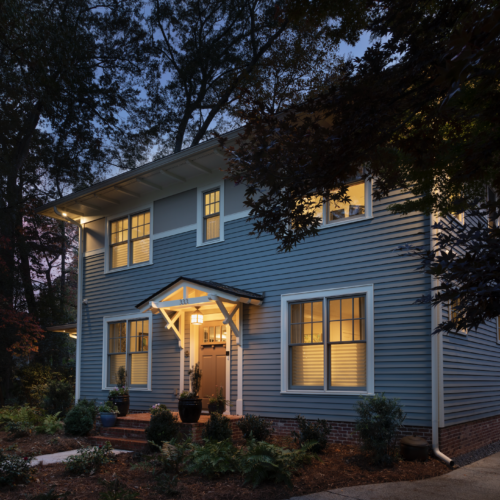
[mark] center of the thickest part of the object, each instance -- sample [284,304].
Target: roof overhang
[175,169]
[69,328]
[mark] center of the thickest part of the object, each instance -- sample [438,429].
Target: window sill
[329,393]
[206,243]
[135,266]
[130,389]
[343,222]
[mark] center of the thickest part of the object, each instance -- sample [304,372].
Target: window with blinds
[335,360]
[130,240]
[211,215]
[129,347]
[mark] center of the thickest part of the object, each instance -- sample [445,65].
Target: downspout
[437,365]
[78,302]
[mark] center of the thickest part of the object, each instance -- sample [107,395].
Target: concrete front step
[121,443]
[124,432]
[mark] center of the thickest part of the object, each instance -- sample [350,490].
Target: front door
[212,359]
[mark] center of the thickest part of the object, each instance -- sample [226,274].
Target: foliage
[312,432]
[218,428]
[14,469]
[195,375]
[27,414]
[108,407]
[80,419]
[162,427]
[253,426]
[31,381]
[90,460]
[218,398]
[158,408]
[266,462]
[187,395]
[116,490]
[175,454]
[379,419]
[19,429]
[51,495]
[121,377]
[51,424]
[167,484]
[58,397]
[213,459]
[118,391]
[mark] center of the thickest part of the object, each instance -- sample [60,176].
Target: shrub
[167,484]
[158,408]
[90,460]
[267,462]
[80,419]
[51,424]
[379,419]
[27,414]
[214,459]
[58,397]
[14,469]
[162,427]
[312,432]
[255,426]
[19,429]
[174,455]
[218,428]
[108,407]
[116,490]
[30,382]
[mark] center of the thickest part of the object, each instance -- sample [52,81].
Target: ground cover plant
[309,432]
[379,419]
[90,460]
[50,425]
[14,470]
[218,428]
[255,426]
[214,459]
[162,427]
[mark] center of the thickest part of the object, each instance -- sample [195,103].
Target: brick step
[124,432]
[128,422]
[120,443]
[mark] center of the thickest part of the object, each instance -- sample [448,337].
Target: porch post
[239,400]
[182,324]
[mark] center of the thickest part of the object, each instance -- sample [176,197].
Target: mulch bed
[340,466]
[41,444]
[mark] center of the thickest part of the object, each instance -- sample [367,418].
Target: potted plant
[108,412]
[119,395]
[157,408]
[217,402]
[189,403]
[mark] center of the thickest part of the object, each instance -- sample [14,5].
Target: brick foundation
[469,436]
[344,432]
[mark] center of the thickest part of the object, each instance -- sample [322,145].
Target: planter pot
[122,402]
[108,419]
[190,410]
[216,408]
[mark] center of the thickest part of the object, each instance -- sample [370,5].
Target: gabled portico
[215,312]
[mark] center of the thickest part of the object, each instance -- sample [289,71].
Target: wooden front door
[212,359]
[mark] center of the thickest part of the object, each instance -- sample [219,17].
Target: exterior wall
[94,234]
[358,253]
[183,205]
[233,198]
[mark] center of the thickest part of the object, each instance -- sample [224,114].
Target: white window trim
[199,213]
[458,332]
[366,290]
[109,220]
[350,220]
[125,317]
[497,325]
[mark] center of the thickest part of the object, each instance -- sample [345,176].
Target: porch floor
[146,417]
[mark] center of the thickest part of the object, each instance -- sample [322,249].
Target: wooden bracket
[228,318]
[171,325]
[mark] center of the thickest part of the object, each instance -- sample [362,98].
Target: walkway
[477,481]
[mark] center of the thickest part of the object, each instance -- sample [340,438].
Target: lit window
[125,250]
[492,198]
[342,350]
[128,348]
[211,215]
[453,313]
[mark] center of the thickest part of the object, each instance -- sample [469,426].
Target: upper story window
[492,197]
[453,313]
[130,240]
[335,212]
[329,341]
[211,215]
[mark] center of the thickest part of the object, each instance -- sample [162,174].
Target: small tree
[379,419]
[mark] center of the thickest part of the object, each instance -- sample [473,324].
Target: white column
[239,400]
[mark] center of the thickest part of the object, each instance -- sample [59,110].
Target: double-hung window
[128,346]
[327,341]
[130,240]
[211,215]
[453,314]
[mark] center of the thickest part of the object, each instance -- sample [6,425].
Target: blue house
[170,276]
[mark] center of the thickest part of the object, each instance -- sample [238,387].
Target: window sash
[327,374]
[135,357]
[211,215]
[134,247]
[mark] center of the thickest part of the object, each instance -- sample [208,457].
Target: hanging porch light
[197,318]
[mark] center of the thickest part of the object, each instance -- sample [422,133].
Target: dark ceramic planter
[122,402]
[108,419]
[190,410]
[216,408]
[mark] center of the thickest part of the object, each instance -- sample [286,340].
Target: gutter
[437,368]
[78,302]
